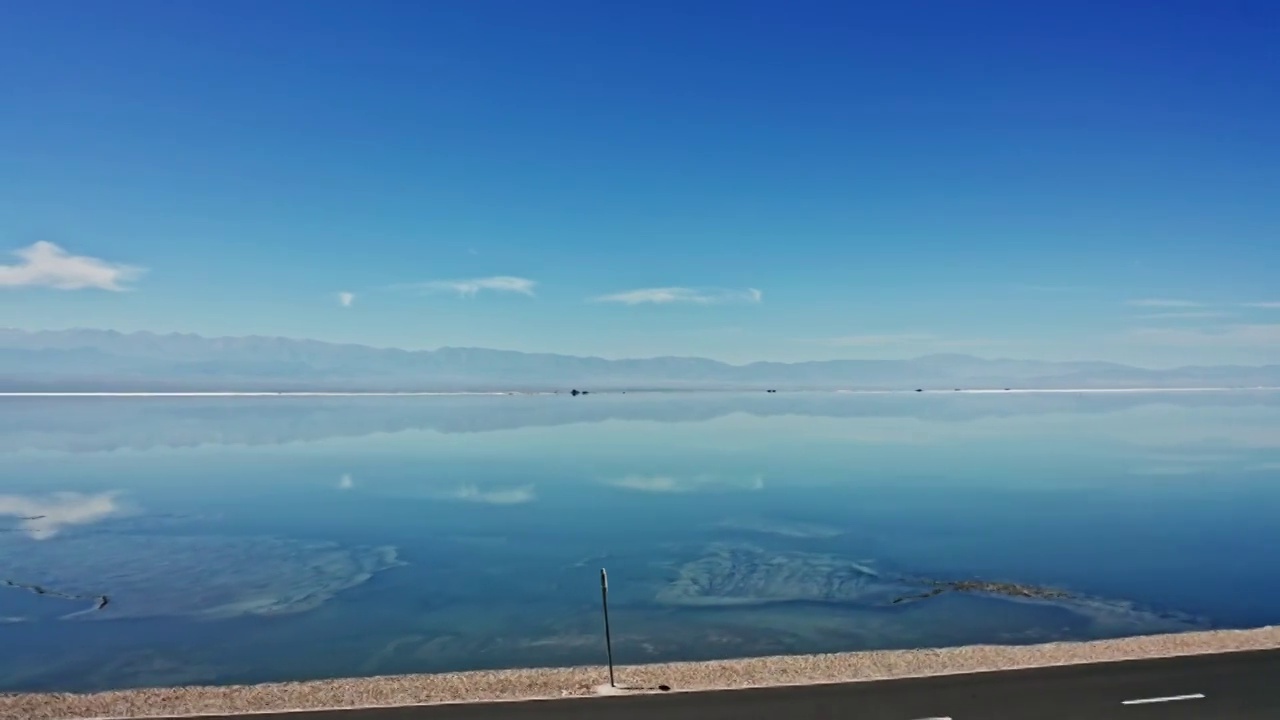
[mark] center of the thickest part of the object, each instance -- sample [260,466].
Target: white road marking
[1171,698]
[936,718]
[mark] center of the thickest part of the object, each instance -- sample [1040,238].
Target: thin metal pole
[604,601]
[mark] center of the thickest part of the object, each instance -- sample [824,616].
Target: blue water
[251,539]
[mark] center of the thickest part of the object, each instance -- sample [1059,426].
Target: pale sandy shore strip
[515,685]
[261,393]
[319,393]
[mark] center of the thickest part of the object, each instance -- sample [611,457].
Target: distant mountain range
[105,360]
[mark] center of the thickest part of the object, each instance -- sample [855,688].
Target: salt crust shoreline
[582,682]
[409,393]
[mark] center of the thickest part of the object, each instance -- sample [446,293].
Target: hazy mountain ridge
[72,360]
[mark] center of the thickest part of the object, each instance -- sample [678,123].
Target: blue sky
[738,180]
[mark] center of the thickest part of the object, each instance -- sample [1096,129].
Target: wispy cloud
[877,340]
[44,264]
[1193,457]
[1188,315]
[345,299]
[1257,335]
[473,286]
[42,517]
[494,496]
[345,482]
[922,342]
[696,483]
[1263,305]
[1184,463]
[1166,470]
[669,295]
[1164,303]
[1055,288]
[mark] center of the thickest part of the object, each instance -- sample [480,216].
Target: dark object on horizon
[584,392]
[773,391]
[664,688]
[957,389]
[574,393]
[919,389]
[1006,389]
[604,602]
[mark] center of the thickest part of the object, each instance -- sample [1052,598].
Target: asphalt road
[1234,686]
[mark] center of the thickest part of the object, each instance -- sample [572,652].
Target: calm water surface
[250,539]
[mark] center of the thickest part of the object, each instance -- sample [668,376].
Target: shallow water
[243,539]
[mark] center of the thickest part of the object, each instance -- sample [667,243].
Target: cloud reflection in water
[42,517]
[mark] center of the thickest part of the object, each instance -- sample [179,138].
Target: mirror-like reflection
[156,541]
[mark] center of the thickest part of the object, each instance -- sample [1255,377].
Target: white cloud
[1184,462]
[672,484]
[1189,315]
[1236,335]
[43,517]
[1164,303]
[1055,288]
[668,295]
[1194,457]
[1263,305]
[345,482]
[495,496]
[649,483]
[345,299]
[877,340]
[1166,470]
[469,288]
[47,265]
[918,342]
